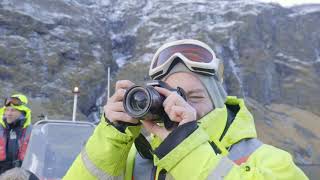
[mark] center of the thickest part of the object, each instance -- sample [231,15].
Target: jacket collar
[242,126]
[215,122]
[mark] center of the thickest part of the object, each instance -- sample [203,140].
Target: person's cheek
[200,114]
[198,110]
[203,109]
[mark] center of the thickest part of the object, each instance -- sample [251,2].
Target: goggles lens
[192,52]
[13,101]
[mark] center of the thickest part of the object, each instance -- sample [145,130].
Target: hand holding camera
[114,110]
[176,107]
[158,103]
[154,103]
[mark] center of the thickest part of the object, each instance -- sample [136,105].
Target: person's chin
[10,122]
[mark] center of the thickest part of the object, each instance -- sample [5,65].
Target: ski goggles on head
[13,101]
[197,56]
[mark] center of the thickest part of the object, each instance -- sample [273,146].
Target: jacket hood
[22,108]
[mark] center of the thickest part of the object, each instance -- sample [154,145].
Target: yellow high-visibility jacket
[205,149]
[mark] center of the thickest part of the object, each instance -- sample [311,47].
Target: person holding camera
[197,131]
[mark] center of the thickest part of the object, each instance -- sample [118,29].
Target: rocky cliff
[271,56]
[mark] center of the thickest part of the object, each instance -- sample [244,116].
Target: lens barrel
[143,102]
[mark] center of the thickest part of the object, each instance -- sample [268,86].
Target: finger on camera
[167,110]
[117,106]
[176,113]
[170,100]
[107,109]
[174,99]
[178,109]
[118,95]
[114,116]
[168,106]
[163,91]
[129,120]
[123,84]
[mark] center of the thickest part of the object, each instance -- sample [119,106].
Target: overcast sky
[292,2]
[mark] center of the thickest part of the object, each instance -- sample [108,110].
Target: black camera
[145,102]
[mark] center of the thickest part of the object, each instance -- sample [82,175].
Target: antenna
[108,93]
[76,92]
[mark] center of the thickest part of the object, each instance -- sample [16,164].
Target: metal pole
[75,102]
[108,93]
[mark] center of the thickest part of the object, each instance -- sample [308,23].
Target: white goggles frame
[214,67]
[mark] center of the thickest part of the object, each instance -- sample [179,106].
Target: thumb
[155,129]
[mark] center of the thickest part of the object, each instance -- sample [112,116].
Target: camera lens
[138,100]
[143,102]
[146,103]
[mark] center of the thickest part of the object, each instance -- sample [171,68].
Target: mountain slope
[271,56]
